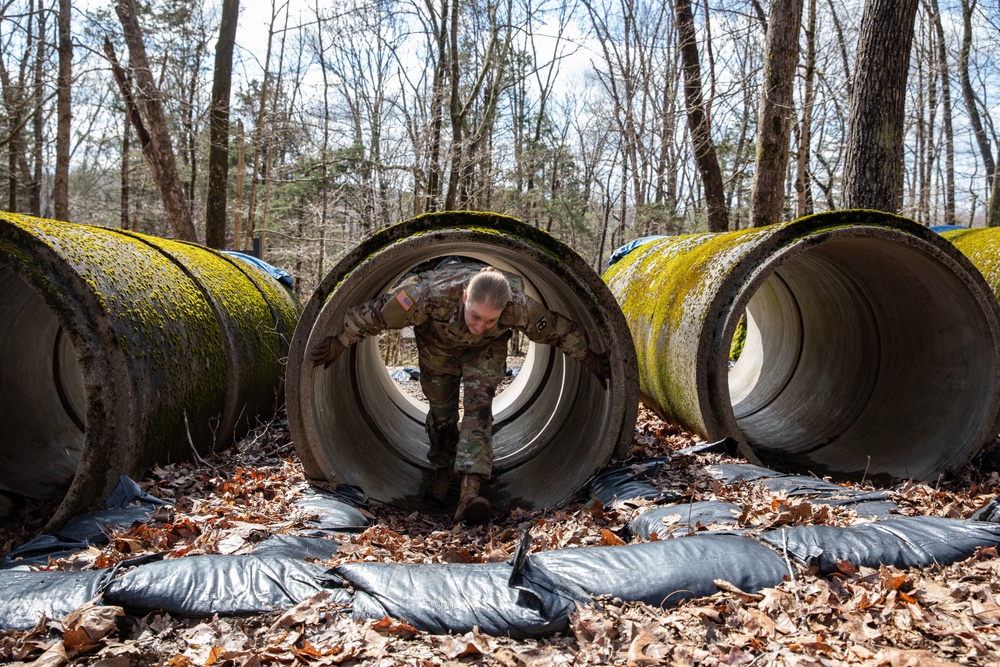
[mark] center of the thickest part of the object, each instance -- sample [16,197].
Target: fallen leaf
[55,656]
[636,657]
[387,626]
[609,539]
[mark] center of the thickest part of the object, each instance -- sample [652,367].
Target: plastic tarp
[126,505]
[280,275]
[30,596]
[688,517]
[632,245]
[913,541]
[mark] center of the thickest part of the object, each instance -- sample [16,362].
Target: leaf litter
[856,616]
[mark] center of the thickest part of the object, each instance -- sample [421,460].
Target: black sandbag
[28,596]
[126,505]
[875,505]
[730,473]
[335,514]
[630,482]
[206,585]
[912,541]
[665,572]
[456,597]
[989,512]
[728,446]
[705,512]
[804,485]
[301,548]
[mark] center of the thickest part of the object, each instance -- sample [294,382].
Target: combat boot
[472,507]
[440,482]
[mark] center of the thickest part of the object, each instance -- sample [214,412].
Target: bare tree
[775,120]
[701,135]
[218,154]
[803,185]
[873,170]
[60,194]
[159,151]
[946,120]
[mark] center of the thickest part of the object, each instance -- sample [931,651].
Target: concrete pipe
[116,348]
[871,349]
[553,427]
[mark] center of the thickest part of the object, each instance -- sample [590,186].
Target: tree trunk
[972,106]
[159,152]
[781,55]
[803,184]
[258,134]
[946,120]
[218,152]
[241,168]
[126,137]
[701,136]
[873,169]
[60,194]
[35,186]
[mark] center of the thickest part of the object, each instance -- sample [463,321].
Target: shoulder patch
[404,299]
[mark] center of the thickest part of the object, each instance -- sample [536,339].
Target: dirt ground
[940,615]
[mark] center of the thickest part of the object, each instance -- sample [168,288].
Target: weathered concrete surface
[116,347]
[873,344]
[553,427]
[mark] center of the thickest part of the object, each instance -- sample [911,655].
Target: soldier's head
[485,297]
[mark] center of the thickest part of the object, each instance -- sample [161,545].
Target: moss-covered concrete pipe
[553,427]
[872,346]
[114,346]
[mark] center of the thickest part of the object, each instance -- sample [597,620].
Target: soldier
[462,317]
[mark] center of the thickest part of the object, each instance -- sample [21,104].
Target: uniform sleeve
[550,328]
[401,307]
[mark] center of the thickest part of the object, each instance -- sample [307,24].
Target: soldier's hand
[326,351]
[599,365]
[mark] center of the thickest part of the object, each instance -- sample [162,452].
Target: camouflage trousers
[442,372]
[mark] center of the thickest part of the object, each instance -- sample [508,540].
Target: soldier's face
[480,317]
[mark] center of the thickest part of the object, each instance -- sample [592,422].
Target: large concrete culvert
[553,427]
[115,347]
[872,344]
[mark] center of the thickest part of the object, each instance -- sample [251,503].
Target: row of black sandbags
[531,595]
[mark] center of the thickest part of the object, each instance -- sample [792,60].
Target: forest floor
[938,615]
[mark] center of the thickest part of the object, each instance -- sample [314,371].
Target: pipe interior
[42,398]
[855,349]
[375,434]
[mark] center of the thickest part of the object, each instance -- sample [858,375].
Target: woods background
[597,120]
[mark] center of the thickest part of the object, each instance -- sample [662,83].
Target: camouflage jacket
[431,302]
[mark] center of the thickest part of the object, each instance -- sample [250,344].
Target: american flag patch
[404,300]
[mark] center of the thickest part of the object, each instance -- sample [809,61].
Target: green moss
[739,339]
[982,247]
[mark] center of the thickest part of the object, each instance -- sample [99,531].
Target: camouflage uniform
[431,302]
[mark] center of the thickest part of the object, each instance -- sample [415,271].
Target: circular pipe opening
[553,427]
[864,355]
[42,400]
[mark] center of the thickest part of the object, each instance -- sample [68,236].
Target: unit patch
[541,323]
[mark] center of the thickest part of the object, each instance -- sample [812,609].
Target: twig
[194,451]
